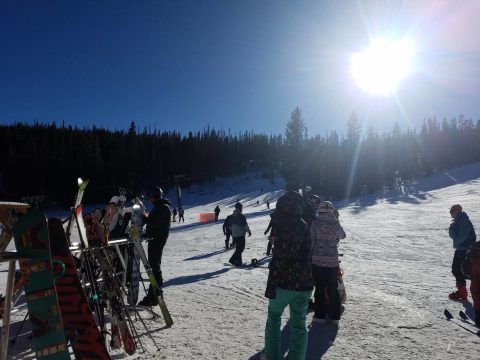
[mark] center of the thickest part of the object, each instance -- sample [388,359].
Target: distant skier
[180,214]
[463,235]
[290,280]
[270,238]
[158,228]
[216,211]
[268,204]
[326,232]
[239,227]
[174,214]
[227,231]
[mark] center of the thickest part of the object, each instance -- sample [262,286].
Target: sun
[379,68]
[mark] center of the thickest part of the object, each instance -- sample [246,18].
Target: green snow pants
[298,302]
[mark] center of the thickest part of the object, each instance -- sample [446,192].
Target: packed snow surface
[396,262]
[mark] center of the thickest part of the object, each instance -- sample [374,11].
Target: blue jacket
[462,232]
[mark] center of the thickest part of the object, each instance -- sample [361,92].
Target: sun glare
[379,68]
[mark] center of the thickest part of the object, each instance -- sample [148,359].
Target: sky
[232,65]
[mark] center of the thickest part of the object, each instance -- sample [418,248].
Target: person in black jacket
[158,228]
[226,231]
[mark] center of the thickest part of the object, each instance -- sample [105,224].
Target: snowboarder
[463,235]
[216,211]
[174,214]
[158,228]
[326,232]
[239,227]
[270,238]
[180,214]
[227,231]
[290,277]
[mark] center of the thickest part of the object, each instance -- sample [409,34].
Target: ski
[134,234]
[460,323]
[467,318]
[82,185]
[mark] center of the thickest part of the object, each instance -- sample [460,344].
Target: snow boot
[460,294]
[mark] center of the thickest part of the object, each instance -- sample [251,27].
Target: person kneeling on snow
[290,280]
[463,235]
[326,232]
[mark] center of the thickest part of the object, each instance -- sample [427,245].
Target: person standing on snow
[463,235]
[216,211]
[180,214]
[239,227]
[158,228]
[326,232]
[174,214]
[290,280]
[270,239]
[226,231]
[475,276]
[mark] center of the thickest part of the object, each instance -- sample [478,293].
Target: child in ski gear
[216,211]
[290,278]
[174,214]
[270,238]
[326,232]
[226,230]
[239,227]
[463,235]
[158,228]
[180,214]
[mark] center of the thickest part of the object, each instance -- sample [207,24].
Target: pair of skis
[464,322]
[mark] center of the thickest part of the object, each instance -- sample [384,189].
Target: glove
[249,234]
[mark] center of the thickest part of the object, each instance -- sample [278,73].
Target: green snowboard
[31,240]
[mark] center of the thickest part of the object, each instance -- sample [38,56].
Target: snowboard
[135,236]
[77,317]
[31,240]
[133,274]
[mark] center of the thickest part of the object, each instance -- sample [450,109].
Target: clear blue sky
[239,65]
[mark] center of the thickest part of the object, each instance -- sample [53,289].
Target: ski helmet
[156,193]
[114,200]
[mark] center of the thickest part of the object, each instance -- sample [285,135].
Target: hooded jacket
[326,233]
[462,232]
[290,267]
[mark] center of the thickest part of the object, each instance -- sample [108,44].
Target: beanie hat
[291,203]
[239,206]
[114,200]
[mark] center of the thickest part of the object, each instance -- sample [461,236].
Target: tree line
[40,159]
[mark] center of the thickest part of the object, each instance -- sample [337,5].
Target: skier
[290,277]
[463,235]
[268,204]
[326,232]
[180,214]
[270,238]
[216,211]
[239,227]
[174,214]
[227,231]
[158,228]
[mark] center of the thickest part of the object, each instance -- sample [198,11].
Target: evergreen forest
[45,160]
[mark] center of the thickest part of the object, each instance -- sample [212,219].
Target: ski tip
[448,314]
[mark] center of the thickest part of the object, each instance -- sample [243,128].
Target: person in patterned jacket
[290,280]
[326,233]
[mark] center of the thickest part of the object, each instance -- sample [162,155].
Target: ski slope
[396,263]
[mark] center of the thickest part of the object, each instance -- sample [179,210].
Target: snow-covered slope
[396,264]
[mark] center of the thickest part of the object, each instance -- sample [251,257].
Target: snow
[397,258]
